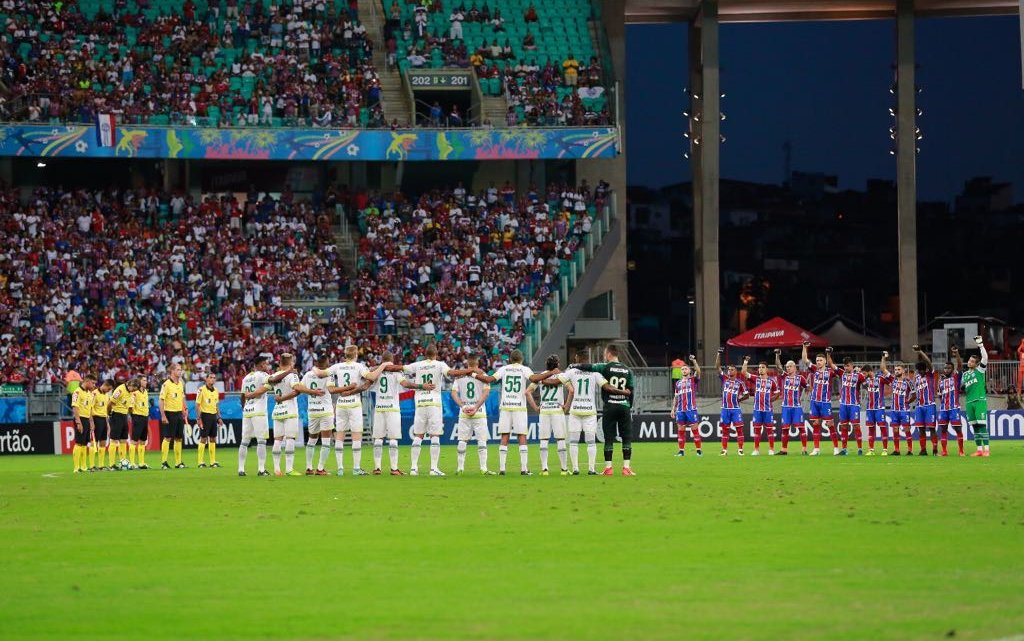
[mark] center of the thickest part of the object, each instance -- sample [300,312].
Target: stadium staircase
[393,95]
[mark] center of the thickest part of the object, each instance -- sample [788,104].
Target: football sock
[481,450]
[339,452]
[165,448]
[131,454]
[574,451]
[803,435]
[785,437]
[378,452]
[739,436]
[591,440]
[681,437]
[960,440]
[524,453]
[502,457]
[435,451]
[243,453]
[415,453]
[922,440]
[310,449]
[460,455]
[393,453]
[817,435]
[289,455]
[202,452]
[725,437]
[910,441]
[544,455]
[695,435]
[277,456]
[112,453]
[944,438]
[101,456]
[357,453]
[625,463]
[177,452]
[213,453]
[261,454]
[757,436]
[935,439]
[560,448]
[844,432]
[325,452]
[834,435]
[858,435]
[76,456]
[141,449]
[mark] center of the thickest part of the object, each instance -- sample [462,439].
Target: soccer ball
[126,464]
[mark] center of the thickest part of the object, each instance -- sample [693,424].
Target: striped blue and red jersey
[764,389]
[924,384]
[900,388]
[874,389]
[793,386]
[849,388]
[731,390]
[686,394]
[821,383]
[949,392]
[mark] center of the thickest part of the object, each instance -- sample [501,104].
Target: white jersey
[514,381]
[587,385]
[254,382]
[386,392]
[470,391]
[427,372]
[290,408]
[319,406]
[345,374]
[552,397]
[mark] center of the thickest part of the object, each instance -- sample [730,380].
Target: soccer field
[751,548]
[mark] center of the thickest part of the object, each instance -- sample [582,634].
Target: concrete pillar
[705,105]
[906,175]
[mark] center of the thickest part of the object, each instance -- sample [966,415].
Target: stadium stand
[222,63]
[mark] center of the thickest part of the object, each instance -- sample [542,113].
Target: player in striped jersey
[874,413]
[948,393]
[822,371]
[515,379]
[793,385]
[319,416]
[924,414]
[902,390]
[387,418]
[471,395]
[850,382]
[766,390]
[684,406]
[733,391]
[552,411]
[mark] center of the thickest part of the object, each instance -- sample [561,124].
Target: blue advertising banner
[197,143]
[13,409]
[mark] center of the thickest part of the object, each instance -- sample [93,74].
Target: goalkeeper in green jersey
[972,385]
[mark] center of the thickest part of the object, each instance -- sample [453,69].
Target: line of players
[922,390]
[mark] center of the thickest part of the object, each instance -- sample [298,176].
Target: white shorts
[473,427]
[387,425]
[286,427]
[513,422]
[321,424]
[428,422]
[552,425]
[349,419]
[585,424]
[255,427]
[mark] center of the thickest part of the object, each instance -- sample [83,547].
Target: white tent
[839,334]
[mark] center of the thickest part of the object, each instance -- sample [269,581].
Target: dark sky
[825,87]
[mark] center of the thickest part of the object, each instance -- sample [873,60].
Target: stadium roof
[638,11]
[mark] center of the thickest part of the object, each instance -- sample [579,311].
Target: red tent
[778,332]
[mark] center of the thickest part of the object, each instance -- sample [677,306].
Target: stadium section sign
[197,143]
[439,80]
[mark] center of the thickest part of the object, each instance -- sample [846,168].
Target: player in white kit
[255,386]
[286,417]
[320,416]
[471,395]
[583,412]
[512,417]
[348,415]
[552,409]
[425,376]
[387,417]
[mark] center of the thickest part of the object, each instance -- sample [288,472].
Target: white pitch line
[51,475]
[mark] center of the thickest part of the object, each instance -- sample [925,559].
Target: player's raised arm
[828,357]
[718,360]
[958,359]
[778,360]
[696,365]
[803,353]
[375,373]
[277,377]
[881,364]
[984,352]
[536,378]
[743,370]
[921,356]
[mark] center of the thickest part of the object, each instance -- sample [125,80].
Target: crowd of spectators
[130,281]
[291,62]
[544,96]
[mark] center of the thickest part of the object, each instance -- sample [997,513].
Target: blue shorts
[924,415]
[688,417]
[949,416]
[732,417]
[763,418]
[849,414]
[792,416]
[874,417]
[899,417]
[821,410]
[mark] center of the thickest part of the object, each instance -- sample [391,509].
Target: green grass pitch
[751,548]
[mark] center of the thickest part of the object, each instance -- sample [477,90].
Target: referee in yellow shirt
[100,427]
[81,409]
[173,416]
[120,405]
[140,420]
[208,414]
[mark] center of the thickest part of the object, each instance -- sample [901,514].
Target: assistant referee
[173,416]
